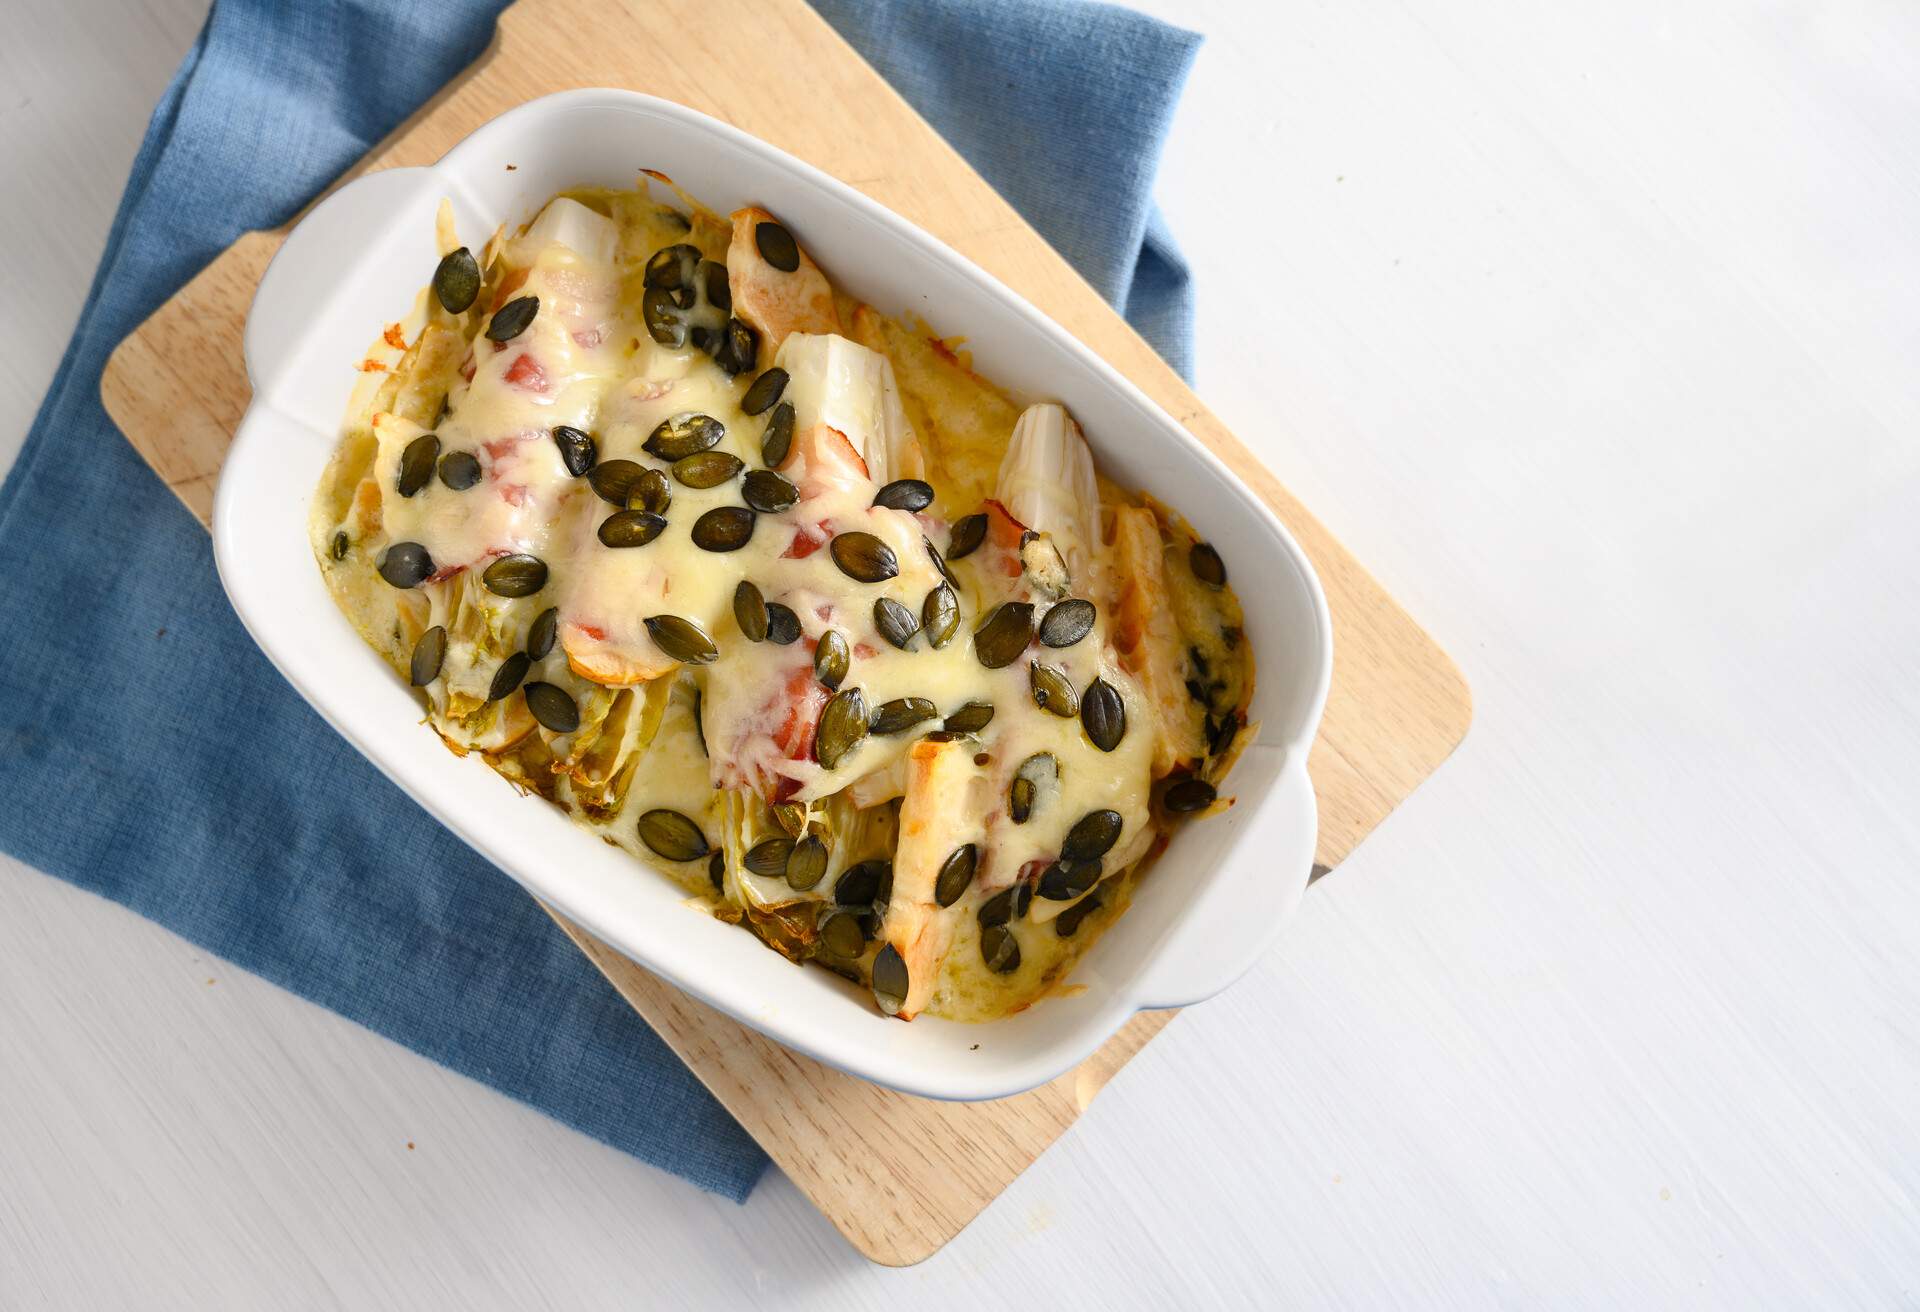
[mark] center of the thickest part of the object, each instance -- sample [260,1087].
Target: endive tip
[587,234]
[852,388]
[1046,481]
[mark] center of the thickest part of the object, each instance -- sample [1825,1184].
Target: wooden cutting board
[1398,706]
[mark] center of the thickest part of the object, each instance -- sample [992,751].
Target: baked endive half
[776,593]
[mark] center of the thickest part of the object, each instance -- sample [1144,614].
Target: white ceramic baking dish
[1201,917]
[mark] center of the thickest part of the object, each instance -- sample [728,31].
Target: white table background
[1595,331]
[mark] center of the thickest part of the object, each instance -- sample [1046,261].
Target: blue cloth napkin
[150,752]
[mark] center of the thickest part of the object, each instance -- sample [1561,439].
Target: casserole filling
[775,593]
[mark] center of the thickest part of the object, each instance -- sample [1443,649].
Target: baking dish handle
[1209,951]
[305,273]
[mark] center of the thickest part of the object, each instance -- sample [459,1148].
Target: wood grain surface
[1397,706]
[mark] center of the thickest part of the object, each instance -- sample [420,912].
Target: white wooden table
[1595,330]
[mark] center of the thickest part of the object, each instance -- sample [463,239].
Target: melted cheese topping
[726,743]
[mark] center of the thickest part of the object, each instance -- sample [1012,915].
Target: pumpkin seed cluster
[1012,605]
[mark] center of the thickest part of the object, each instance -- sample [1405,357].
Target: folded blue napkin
[151,753]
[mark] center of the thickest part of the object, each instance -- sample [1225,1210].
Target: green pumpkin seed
[910,494]
[1053,690]
[940,615]
[967,535]
[507,677]
[843,726]
[939,562]
[578,450]
[859,884]
[416,464]
[956,875]
[708,469]
[717,871]
[1103,714]
[1066,880]
[1190,794]
[778,439]
[713,276]
[806,864]
[1039,771]
[672,836]
[672,267]
[340,545]
[750,611]
[1008,905]
[895,622]
[614,481]
[631,528]
[738,348]
[1222,736]
[863,557]
[724,528]
[971,718]
[512,319]
[518,575]
[651,493]
[1000,949]
[831,658]
[428,655]
[546,626]
[553,706]
[1206,565]
[456,280]
[1067,923]
[841,935]
[660,313]
[1004,634]
[901,714]
[769,493]
[783,626]
[683,435]
[890,983]
[768,857]
[1091,837]
[1020,798]
[459,470]
[765,391]
[406,565]
[682,639]
[1067,622]
[777,246]
[790,816]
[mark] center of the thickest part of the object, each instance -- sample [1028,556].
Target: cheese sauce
[621,348]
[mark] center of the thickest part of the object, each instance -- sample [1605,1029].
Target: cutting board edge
[1423,680]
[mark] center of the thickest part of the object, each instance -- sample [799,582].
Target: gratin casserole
[775,593]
